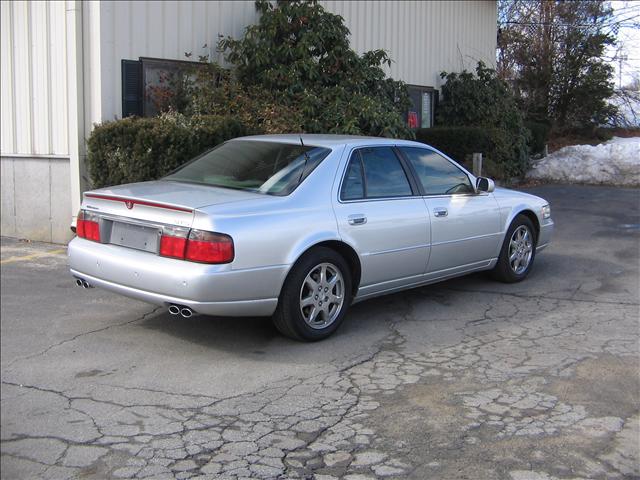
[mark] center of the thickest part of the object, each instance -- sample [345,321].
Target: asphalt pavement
[467,379]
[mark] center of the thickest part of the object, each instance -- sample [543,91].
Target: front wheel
[518,251]
[315,296]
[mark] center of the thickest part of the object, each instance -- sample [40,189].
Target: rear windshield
[263,167]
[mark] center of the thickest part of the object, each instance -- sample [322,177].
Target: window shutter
[131,88]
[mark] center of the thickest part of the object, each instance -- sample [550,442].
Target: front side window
[263,167]
[437,175]
[375,173]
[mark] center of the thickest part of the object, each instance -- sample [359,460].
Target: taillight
[173,242]
[209,247]
[88,226]
[197,246]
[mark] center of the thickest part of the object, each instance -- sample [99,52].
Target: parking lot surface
[468,379]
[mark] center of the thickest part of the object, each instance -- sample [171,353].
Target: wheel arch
[346,251]
[527,212]
[530,214]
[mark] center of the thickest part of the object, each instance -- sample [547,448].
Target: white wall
[422,37]
[33,79]
[161,29]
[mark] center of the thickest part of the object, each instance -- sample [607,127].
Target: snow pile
[616,162]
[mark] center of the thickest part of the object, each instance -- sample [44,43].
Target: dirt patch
[606,385]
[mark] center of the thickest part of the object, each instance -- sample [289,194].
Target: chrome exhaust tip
[78,282]
[85,284]
[174,309]
[186,312]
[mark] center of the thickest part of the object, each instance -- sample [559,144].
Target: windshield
[263,167]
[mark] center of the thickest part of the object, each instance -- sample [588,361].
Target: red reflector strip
[172,246]
[138,202]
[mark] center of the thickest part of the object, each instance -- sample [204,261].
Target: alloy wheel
[322,296]
[520,249]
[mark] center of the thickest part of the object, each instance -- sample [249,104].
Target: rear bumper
[207,289]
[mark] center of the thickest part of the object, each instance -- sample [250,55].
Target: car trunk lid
[139,215]
[165,202]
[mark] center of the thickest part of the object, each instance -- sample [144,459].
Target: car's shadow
[257,336]
[366,322]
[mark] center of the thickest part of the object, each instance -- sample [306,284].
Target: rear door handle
[440,212]
[357,219]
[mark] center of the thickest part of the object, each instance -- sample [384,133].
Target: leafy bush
[140,149]
[539,135]
[460,143]
[213,90]
[295,71]
[483,100]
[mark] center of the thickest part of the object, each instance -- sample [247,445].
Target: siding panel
[40,101]
[58,68]
[7,116]
[422,38]
[22,76]
[33,78]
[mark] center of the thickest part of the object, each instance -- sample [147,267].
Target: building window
[420,114]
[151,85]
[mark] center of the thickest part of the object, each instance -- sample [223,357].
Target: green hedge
[539,135]
[140,149]
[460,143]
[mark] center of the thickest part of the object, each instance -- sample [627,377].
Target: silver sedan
[299,227]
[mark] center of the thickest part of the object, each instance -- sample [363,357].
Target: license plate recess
[138,237]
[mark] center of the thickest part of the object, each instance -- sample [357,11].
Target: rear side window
[353,186]
[375,173]
[437,175]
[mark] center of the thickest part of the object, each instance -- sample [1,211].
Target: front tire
[315,296]
[518,251]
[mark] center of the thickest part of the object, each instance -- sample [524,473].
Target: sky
[628,41]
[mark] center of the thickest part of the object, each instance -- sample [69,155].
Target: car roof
[327,140]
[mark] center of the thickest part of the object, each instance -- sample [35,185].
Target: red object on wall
[413,120]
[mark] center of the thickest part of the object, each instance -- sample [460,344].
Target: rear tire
[315,296]
[518,251]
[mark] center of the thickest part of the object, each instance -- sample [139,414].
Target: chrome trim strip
[467,238]
[394,250]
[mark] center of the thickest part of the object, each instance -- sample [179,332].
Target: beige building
[67,65]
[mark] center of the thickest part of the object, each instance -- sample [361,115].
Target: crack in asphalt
[322,424]
[545,296]
[83,334]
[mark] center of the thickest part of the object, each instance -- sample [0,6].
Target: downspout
[75,95]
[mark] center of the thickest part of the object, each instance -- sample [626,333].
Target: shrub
[140,149]
[460,143]
[483,100]
[539,135]
[295,71]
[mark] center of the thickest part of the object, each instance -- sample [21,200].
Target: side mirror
[484,184]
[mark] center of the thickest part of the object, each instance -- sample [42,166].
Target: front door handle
[440,212]
[357,219]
